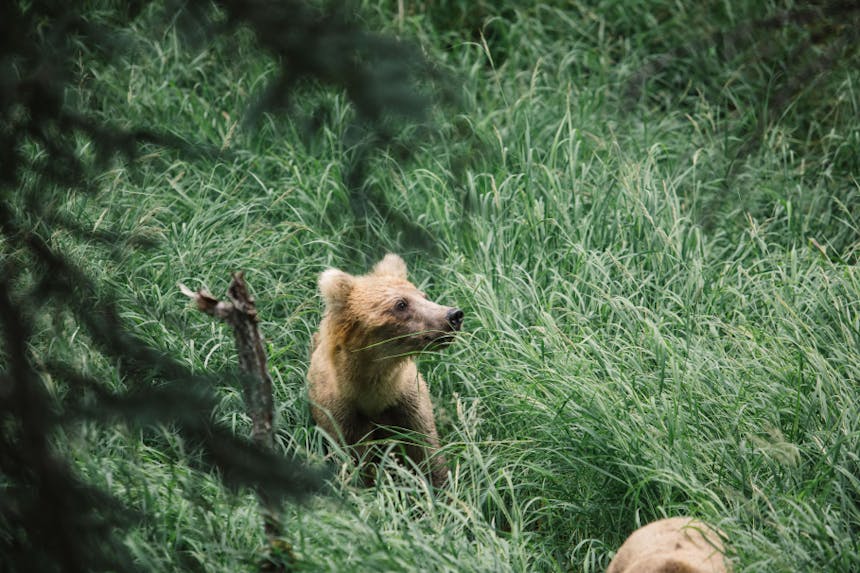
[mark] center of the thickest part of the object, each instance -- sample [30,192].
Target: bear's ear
[391,265]
[335,286]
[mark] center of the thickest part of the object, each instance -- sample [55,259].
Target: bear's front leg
[422,443]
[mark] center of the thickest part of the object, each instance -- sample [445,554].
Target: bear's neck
[373,383]
[369,375]
[367,368]
[360,361]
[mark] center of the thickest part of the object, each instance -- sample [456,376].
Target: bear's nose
[455,318]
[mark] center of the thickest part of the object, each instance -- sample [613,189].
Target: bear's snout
[455,318]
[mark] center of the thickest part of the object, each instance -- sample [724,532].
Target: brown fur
[363,382]
[674,545]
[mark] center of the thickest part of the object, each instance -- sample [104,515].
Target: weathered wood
[241,314]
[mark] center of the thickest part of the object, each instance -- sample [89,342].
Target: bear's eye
[401,305]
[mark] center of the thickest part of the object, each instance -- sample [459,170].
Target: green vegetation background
[648,211]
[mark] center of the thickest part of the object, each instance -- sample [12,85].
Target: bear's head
[383,312]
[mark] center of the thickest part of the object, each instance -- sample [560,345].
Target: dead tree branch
[240,313]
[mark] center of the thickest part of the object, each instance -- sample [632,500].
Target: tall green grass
[650,328]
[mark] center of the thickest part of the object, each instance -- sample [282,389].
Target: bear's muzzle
[455,318]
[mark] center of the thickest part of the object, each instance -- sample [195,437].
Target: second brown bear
[363,382]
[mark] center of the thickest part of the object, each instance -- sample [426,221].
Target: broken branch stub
[241,314]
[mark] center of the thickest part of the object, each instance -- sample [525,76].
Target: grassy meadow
[653,231]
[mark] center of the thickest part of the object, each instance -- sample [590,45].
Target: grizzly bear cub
[674,545]
[363,383]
